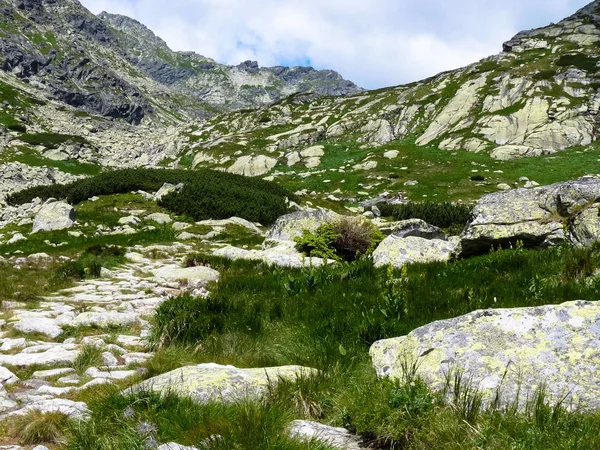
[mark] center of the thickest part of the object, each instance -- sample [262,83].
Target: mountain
[114,66]
[539,96]
[105,91]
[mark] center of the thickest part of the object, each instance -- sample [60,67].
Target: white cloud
[374,43]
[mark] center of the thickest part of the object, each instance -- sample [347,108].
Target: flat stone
[210,382]
[338,438]
[52,372]
[75,410]
[159,218]
[106,319]
[194,276]
[45,326]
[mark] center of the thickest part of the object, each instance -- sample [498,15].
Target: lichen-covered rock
[537,217]
[513,351]
[338,438]
[585,229]
[193,276]
[252,166]
[54,216]
[283,255]
[214,382]
[418,228]
[290,226]
[399,251]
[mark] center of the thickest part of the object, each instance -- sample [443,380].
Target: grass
[139,421]
[39,428]
[327,318]
[89,356]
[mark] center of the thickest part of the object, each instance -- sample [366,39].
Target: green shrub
[50,140]
[450,216]
[343,240]
[579,60]
[207,194]
[17,127]
[319,244]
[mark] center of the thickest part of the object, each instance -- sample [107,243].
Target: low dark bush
[449,216]
[50,140]
[17,127]
[579,60]
[207,194]
[477,178]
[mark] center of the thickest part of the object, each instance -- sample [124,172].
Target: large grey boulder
[54,216]
[252,166]
[585,228]
[537,217]
[290,226]
[510,351]
[399,251]
[214,382]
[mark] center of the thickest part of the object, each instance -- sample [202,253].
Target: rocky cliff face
[221,87]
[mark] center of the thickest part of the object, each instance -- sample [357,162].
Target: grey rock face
[418,228]
[538,217]
[290,226]
[54,216]
[510,351]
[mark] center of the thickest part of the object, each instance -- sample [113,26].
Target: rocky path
[46,345]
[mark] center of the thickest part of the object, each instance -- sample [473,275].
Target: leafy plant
[344,240]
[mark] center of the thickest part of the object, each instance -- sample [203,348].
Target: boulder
[166,189]
[512,352]
[537,217]
[290,226]
[214,382]
[106,319]
[418,228]
[282,255]
[252,166]
[194,276]
[54,216]
[399,251]
[160,218]
[338,438]
[585,228]
[43,325]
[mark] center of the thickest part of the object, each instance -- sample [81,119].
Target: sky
[375,43]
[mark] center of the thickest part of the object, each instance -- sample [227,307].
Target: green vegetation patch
[579,60]
[449,216]
[50,140]
[206,194]
[327,318]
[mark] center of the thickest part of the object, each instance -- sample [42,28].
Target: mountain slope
[114,66]
[539,96]
[222,87]
[457,135]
